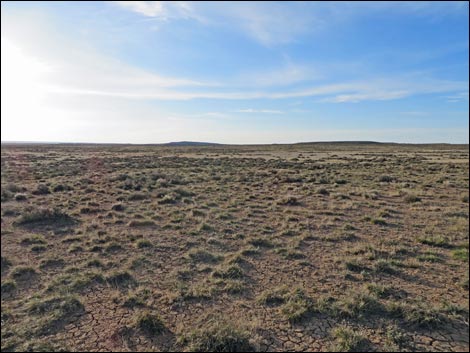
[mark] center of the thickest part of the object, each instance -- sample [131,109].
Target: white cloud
[147,8]
[162,10]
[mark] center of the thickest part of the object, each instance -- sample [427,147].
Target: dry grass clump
[218,335]
[38,216]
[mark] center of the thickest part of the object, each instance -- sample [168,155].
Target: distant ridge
[214,144]
[190,143]
[343,142]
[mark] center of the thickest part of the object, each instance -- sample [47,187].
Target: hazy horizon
[235,144]
[149,72]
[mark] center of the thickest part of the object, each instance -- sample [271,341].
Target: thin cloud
[369,96]
[350,92]
[162,10]
[199,116]
[283,76]
[458,97]
[277,23]
[146,8]
[415,113]
[257,111]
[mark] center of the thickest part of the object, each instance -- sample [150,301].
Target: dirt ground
[308,247]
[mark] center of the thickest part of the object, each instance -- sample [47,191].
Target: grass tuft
[150,324]
[217,335]
[346,339]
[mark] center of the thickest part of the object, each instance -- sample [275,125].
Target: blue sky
[250,72]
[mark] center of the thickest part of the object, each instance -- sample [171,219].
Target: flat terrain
[307,247]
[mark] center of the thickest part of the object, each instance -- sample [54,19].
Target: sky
[248,72]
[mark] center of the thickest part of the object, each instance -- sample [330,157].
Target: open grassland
[308,247]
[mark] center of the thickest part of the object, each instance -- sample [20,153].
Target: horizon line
[175,143]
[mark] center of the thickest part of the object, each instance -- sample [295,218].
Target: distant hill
[213,144]
[190,143]
[343,142]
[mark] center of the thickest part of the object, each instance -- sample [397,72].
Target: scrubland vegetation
[307,247]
